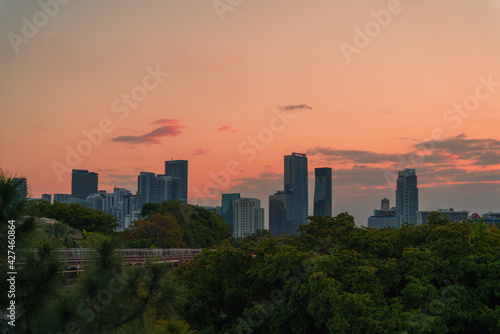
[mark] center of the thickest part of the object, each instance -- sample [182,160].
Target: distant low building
[47,197]
[61,197]
[450,214]
[492,217]
[384,217]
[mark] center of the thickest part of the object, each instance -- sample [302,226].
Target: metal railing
[79,257]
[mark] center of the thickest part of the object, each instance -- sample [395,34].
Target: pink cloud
[200,151]
[227,128]
[172,130]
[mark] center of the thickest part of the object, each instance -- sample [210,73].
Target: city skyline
[232,97]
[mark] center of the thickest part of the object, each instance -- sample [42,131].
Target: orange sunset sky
[296,75]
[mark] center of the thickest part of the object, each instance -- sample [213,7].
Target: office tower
[47,197]
[383,217]
[146,188]
[22,187]
[248,217]
[169,188]
[228,207]
[179,168]
[61,197]
[323,191]
[83,183]
[296,183]
[407,197]
[280,221]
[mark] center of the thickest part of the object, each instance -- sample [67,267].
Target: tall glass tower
[179,168]
[296,183]
[323,191]
[407,197]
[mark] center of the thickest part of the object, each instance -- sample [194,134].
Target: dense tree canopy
[334,277]
[158,230]
[201,228]
[74,215]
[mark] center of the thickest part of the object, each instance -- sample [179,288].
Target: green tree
[75,215]
[201,228]
[161,230]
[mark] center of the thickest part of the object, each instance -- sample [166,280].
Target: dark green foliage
[334,277]
[74,215]
[201,228]
[107,298]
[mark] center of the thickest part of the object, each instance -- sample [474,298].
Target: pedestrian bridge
[78,258]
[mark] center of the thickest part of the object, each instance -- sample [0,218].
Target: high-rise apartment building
[169,188]
[296,183]
[227,207]
[146,188]
[179,168]
[280,221]
[153,188]
[248,217]
[407,197]
[323,191]
[83,183]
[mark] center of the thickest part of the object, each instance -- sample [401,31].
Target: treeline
[335,277]
[171,224]
[179,224]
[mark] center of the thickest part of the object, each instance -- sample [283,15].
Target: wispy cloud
[227,128]
[166,121]
[473,152]
[200,151]
[352,156]
[295,107]
[173,129]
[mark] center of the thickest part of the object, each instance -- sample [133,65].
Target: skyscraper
[83,183]
[227,207]
[407,197]
[248,217]
[169,188]
[323,191]
[179,168]
[146,188]
[296,183]
[280,221]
